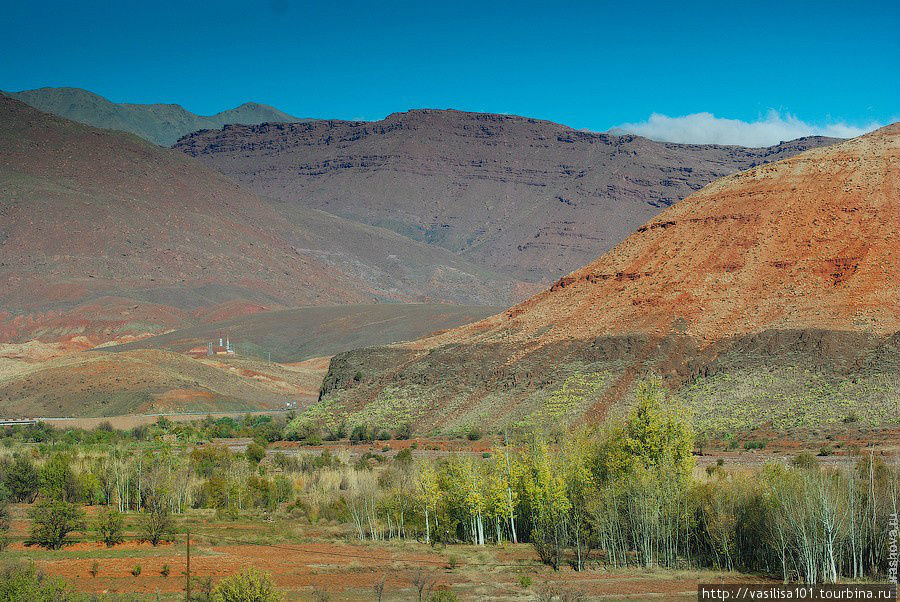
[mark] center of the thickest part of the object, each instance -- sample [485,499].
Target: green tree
[4,517]
[428,495]
[156,517]
[654,437]
[249,585]
[156,520]
[57,481]
[53,520]
[545,495]
[109,525]
[22,480]
[642,472]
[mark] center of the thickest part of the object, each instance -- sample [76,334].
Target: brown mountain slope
[521,196]
[89,215]
[771,297]
[106,235]
[809,242]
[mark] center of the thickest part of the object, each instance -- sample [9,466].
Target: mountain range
[162,124]
[768,299]
[106,235]
[762,294]
[523,197]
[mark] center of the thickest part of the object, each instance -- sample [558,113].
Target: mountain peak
[161,123]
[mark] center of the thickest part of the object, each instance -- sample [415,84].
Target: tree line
[626,494]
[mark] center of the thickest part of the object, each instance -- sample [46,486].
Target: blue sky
[592,65]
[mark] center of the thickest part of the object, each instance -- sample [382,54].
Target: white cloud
[706,128]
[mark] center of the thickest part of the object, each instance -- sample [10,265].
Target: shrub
[805,461]
[404,457]
[165,570]
[52,521]
[422,582]
[473,433]
[443,595]
[248,585]
[25,583]
[758,444]
[136,570]
[203,587]
[95,569]
[525,581]
[404,431]
[359,433]
[320,595]
[255,453]
[109,526]
[378,588]
[337,432]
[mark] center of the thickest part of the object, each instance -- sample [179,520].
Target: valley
[530,304]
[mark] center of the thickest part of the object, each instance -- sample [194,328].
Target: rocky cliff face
[768,298]
[520,196]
